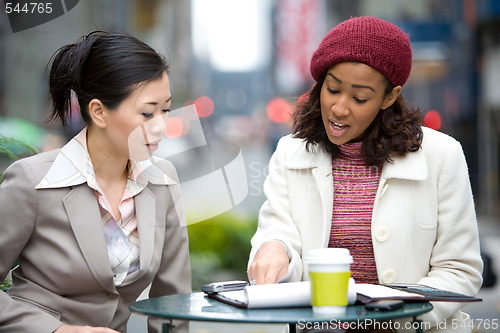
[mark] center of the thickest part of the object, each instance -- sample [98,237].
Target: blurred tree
[219,248]
[13,149]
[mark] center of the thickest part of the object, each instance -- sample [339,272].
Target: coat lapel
[145,205]
[324,182]
[412,166]
[83,213]
[320,164]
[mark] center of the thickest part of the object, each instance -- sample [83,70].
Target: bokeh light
[175,127]
[432,119]
[204,106]
[279,110]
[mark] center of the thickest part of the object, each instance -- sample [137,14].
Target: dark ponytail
[102,65]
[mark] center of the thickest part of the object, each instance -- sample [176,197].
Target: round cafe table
[197,306]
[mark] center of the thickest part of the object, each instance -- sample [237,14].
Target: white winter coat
[424,228]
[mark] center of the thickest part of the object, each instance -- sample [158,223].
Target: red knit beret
[370,40]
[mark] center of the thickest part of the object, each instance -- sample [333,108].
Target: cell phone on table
[385,305]
[217,287]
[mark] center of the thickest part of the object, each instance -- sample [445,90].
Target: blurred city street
[239,67]
[487,311]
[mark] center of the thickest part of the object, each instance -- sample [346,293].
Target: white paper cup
[329,273]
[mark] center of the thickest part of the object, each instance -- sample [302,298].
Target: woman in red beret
[360,172]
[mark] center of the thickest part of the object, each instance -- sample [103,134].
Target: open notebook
[289,294]
[298,294]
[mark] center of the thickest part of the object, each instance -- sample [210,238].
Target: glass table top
[197,306]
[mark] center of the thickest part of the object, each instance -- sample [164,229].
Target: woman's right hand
[270,264]
[83,329]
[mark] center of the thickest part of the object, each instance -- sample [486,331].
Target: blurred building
[242,55]
[24,55]
[488,111]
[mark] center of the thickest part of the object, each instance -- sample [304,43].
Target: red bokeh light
[204,106]
[175,127]
[279,110]
[432,119]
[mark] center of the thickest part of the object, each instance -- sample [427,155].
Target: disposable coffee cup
[329,273]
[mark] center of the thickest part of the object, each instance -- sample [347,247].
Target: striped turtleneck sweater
[355,186]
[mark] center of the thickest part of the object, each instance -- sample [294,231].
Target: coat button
[382,234]
[112,296]
[389,276]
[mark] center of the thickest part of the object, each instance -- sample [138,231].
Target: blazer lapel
[83,214]
[145,205]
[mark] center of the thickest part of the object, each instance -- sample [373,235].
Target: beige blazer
[64,274]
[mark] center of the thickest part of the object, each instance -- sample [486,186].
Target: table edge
[252,320]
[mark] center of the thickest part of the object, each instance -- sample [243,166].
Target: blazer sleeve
[18,206]
[275,220]
[174,275]
[455,263]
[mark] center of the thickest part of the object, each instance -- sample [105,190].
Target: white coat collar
[300,158]
[413,166]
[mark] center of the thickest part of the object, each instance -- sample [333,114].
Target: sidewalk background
[484,314]
[488,311]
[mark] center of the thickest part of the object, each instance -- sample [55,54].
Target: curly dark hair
[395,131]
